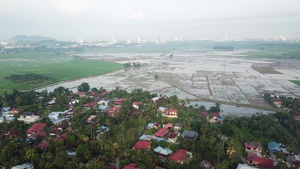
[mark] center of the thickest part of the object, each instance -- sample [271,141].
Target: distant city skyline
[132,19]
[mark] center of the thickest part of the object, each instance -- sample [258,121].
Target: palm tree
[108,123]
[123,128]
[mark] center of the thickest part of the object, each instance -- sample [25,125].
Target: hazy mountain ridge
[22,38]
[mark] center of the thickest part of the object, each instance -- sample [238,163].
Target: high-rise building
[112,40]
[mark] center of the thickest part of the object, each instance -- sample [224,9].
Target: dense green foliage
[30,79]
[220,144]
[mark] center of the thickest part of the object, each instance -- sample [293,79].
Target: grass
[297,82]
[131,134]
[59,67]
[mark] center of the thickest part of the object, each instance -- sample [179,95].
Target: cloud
[72,8]
[120,15]
[135,16]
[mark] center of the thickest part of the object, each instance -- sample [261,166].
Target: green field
[297,82]
[59,67]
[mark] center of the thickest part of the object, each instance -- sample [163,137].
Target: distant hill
[25,38]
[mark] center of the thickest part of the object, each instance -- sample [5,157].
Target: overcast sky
[148,19]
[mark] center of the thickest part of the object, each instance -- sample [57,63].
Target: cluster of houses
[212,117]
[255,158]
[163,134]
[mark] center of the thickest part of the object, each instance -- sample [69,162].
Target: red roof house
[297,117]
[142,145]
[112,111]
[131,166]
[156,125]
[119,101]
[203,114]
[81,94]
[35,129]
[157,167]
[89,104]
[179,156]
[161,132]
[45,144]
[136,104]
[104,93]
[253,146]
[172,113]
[277,101]
[13,111]
[168,126]
[262,162]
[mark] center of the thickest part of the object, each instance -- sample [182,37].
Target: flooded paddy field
[198,74]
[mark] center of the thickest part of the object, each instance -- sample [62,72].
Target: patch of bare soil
[265,69]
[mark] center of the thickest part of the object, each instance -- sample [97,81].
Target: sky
[148,19]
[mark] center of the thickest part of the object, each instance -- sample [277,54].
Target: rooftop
[141,145]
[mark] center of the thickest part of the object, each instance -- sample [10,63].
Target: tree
[95,163]
[84,87]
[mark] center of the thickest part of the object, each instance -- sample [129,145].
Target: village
[117,129]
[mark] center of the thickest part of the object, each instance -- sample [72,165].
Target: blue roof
[272,146]
[164,151]
[150,124]
[116,98]
[103,107]
[143,137]
[105,128]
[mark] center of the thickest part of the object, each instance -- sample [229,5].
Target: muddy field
[199,75]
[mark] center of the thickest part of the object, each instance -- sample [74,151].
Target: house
[103,108]
[24,166]
[296,160]
[262,162]
[46,144]
[81,94]
[91,118]
[180,156]
[28,117]
[162,109]
[273,147]
[119,101]
[161,132]
[13,111]
[36,130]
[173,137]
[168,126]
[203,115]
[131,166]
[57,117]
[5,109]
[190,135]
[104,93]
[177,126]
[244,166]
[252,146]
[150,125]
[113,110]
[172,113]
[157,167]
[142,145]
[56,130]
[136,104]
[297,117]
[89,105]
[12,133]
[157,99]
[277,101]
[207,165]
[162,152]
[156,125]
[146,137]
[104,102]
